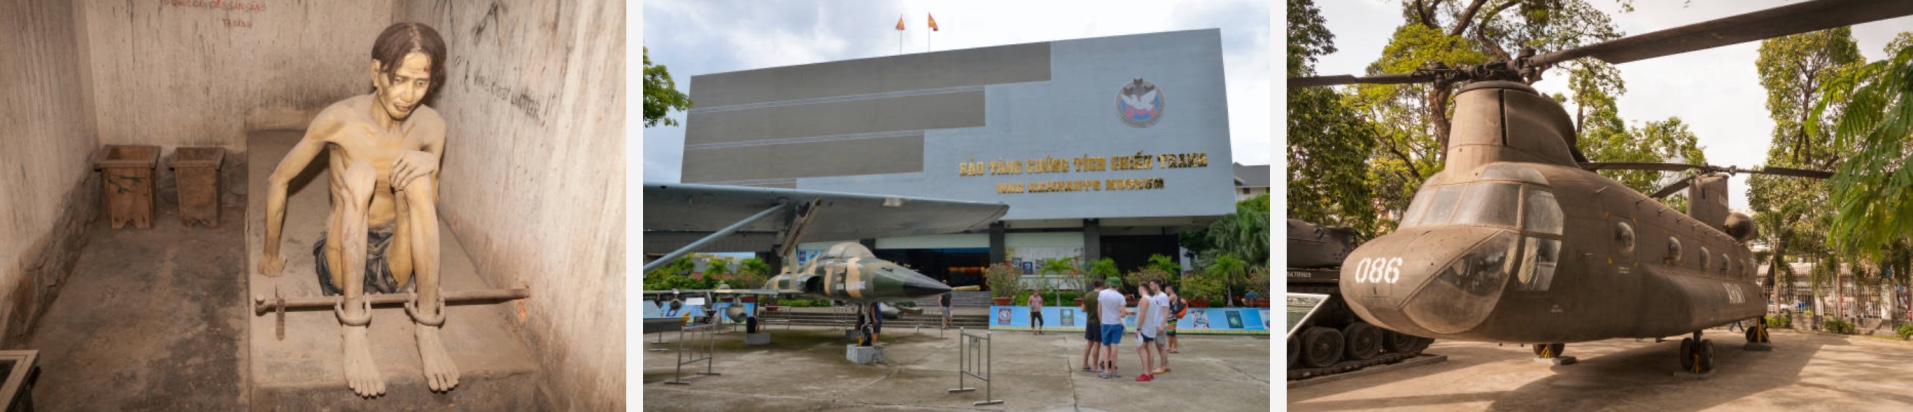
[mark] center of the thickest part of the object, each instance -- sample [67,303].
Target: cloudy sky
[1716,91]
[700,37]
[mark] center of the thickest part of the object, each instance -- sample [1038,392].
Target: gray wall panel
[1073,115]
[852,157]
[935,111]
[967,67]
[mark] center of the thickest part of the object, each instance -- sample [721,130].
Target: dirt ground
[1804,371]
[804,370]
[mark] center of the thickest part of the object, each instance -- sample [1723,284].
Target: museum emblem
[1139,103]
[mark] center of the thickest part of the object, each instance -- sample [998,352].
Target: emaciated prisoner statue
[383,227]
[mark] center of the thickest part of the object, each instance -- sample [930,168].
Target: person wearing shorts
[945,301]
[1111,303]
[1092,329]
[1177,309]
[1036,312]
[1147,324]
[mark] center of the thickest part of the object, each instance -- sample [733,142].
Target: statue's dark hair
[400,39]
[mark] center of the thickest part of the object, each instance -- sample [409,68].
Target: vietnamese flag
[899,23]
[933,21]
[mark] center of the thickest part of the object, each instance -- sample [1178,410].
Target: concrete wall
[187,72]
[47,136]
[533,175]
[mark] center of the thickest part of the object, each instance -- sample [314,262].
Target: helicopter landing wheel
[1321,347]
[1364,340]
[1687,355]
[1759,333]
[1549,350]
[1697,357]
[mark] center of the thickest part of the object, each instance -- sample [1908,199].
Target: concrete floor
[804,370]
[1804,372]
[149,319]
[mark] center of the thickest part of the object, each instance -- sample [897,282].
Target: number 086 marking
[1378,270]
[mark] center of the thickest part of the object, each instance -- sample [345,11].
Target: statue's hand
[412,165]
[271,263]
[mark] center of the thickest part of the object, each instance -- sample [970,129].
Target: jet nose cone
[916,285]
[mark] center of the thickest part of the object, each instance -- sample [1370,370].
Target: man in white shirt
[1160,307]
[1111,304]
[1146,329]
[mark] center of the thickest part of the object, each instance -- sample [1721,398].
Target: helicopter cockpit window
[1441,206]
[1537,265]
[1544,215]
[1417,208]
[1512,171]
[1492,204]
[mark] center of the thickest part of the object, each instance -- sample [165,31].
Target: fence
[969,346]
[700,335]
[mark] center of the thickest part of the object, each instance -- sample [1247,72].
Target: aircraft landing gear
[1697,355]
[1549,350]
[1550,353]
[1757,338]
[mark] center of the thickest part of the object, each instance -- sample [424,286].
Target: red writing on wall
[233,5]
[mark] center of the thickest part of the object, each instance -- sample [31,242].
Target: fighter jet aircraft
[688,217]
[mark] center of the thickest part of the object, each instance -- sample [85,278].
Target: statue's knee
[421,190]
[360,178]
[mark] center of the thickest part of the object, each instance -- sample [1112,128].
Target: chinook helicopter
[1518,240]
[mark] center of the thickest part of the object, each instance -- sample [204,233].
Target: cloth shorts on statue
[378,273]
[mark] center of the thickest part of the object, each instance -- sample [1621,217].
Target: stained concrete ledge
[303,372]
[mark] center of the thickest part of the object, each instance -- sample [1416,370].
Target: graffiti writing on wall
[227,5]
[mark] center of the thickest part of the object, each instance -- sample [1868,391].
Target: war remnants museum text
[1080,164]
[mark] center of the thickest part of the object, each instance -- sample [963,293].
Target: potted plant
[1140,277]
[1065,269]
[1005,282]
[1200,289]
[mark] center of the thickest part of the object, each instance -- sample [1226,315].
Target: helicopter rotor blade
[1664,167]
[1787,171]
[1673,188]
[1775,22]
[1318,81]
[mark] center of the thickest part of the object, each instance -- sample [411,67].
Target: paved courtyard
[804,370]
[1809,372]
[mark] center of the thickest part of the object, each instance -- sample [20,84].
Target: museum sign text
[1081,164]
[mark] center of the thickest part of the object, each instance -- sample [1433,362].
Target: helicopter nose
[1429,281]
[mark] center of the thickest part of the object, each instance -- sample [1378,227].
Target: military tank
[1325,337]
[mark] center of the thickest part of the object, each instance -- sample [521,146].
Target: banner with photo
[1198,321]
[690,310]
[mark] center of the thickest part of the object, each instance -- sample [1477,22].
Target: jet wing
[677,214]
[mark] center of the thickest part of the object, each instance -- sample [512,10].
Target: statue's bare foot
[360,373]
[440,373]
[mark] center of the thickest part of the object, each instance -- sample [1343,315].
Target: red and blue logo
[1139,103]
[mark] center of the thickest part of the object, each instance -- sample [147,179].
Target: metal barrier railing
[707,353]
[969,346]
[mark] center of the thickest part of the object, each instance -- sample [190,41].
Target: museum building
[1102,147]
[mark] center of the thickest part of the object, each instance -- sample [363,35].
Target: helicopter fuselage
[1515,242]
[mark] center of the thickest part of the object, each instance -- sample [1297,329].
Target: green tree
[1871,188]
[1245,233]
[1228,270]
[1793,69]
[1329,143]
[1410,123]
[661,94]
